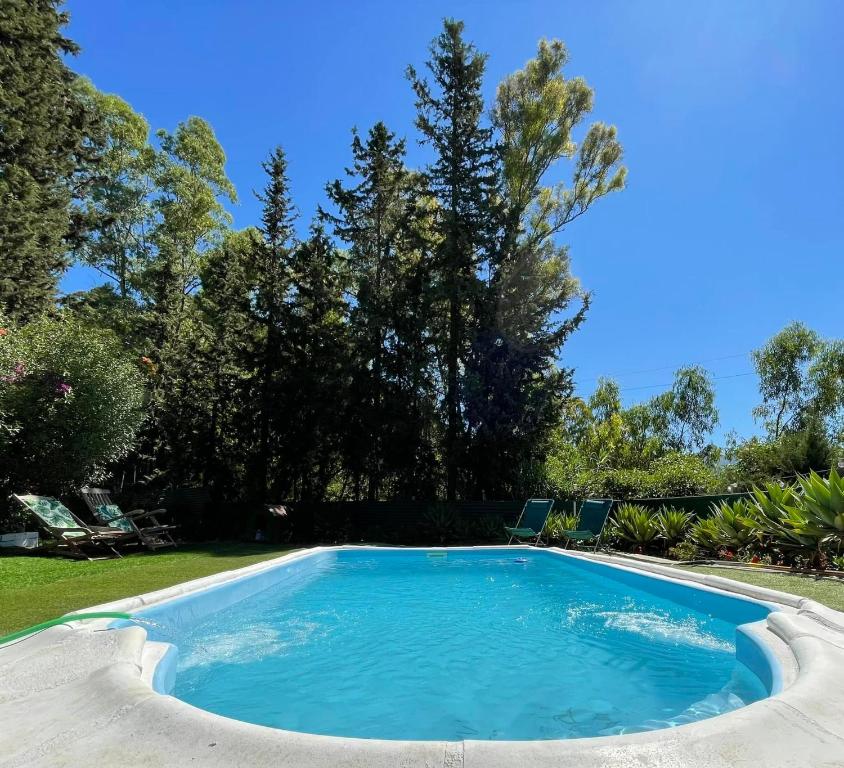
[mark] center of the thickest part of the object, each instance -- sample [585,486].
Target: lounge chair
[531,521]
[72,534]
[590,523]
[145,525]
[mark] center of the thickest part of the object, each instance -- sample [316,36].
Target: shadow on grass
[228,549]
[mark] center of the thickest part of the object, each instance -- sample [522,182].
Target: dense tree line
[405,342]
[406,346]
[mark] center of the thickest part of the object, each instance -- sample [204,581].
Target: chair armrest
[61,532]
[145,512]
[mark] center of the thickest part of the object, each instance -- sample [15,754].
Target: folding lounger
[591,521]
[145,525]
[73,536]
[531,521]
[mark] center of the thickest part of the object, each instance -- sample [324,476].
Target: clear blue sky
[731,114]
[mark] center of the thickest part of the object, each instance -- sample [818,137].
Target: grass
[35,589]
[828,591]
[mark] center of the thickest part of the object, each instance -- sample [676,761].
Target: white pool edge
[88,693]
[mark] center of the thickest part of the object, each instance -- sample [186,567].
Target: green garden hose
[62,620]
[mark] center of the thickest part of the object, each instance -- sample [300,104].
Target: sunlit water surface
[489,644]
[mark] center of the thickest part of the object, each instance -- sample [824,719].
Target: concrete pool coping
[77,694]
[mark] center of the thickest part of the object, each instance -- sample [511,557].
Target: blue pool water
[484,644]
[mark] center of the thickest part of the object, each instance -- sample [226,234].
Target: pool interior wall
[274,631]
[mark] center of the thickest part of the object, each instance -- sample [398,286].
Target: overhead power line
[671,383]
[665,368]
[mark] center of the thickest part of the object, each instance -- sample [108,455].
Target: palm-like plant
[672,523]
[557,523]
[706,534]
[807,516]
[732,525]
[822,508]
[635,524]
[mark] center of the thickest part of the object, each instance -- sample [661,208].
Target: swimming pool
[501,644]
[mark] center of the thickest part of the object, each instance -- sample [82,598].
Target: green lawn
[34,589]
[829,591]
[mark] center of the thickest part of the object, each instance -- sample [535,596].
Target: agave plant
[635,524]
[775,505]
[823,509]
[808,516]
[736,523]
[672,523]
[706,534]
[486,528]
[557,523]
[440,524]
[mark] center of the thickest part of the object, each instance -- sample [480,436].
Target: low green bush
[71,402]
[684,550]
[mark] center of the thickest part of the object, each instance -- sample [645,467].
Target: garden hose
[62,620]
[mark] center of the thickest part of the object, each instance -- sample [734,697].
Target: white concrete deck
[78,695]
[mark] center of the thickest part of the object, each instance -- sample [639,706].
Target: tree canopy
[407,341]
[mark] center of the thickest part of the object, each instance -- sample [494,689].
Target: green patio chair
[145,525]
[531,521]
[590,522]
[74,537]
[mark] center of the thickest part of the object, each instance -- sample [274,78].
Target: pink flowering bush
[71,401]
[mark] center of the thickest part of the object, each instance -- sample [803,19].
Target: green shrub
[634,524]
[441,524]
[71,403]
[681,474]
[685,550]
[482,528]
[673,524]
[557,523]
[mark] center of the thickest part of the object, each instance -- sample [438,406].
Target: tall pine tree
[464,179]
[43,131]
[372,218]
[272,269]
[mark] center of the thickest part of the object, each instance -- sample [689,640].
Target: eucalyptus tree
[189,219]
[686,414]
[191,188]
[801,379]
[117,207]
[527,308]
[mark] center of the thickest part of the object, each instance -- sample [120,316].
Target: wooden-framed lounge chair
[74,537]
[145,525]
[531,521]
[590,523]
